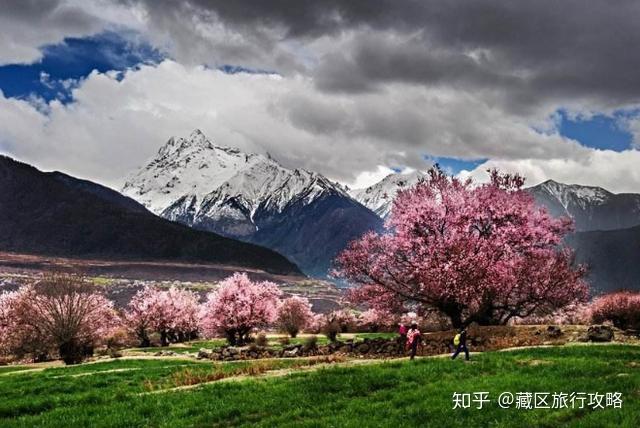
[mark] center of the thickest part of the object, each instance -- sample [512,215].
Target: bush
[622,309]
[311,342]
[331,328]
[284,341]
[261,339]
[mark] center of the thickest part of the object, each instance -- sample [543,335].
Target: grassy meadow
[178,391]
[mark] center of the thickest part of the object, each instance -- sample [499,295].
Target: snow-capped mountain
[592,208]
[379,197]
[301,214]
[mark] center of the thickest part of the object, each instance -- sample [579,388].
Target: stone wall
[479,339]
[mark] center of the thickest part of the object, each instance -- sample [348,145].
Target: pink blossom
[60,313]
[621,308]
[294,314]
[376,319]
[172,313]
[475,252]
[238,306]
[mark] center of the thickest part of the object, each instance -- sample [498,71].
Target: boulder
[291,353]
[600,333]
[363,348]
[204,353]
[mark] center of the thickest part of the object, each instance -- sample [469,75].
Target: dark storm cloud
[535,50]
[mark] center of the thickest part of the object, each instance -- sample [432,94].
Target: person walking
[402,331]
[413,339]
[460,342]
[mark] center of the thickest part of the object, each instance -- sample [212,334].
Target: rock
[363,348]
[204,354]
[233,351]
[600,333]
[291,353]
[554,331]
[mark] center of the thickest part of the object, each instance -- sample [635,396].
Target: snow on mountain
[379,197]
[191,179]
[568,194]
[301,214]
[592,208]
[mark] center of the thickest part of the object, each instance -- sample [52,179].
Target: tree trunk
[71,352]
[454,313]
[231,337]
[163,338]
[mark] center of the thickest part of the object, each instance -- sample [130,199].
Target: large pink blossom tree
[238,306]
[475,252]
[60,313]
[172,313]
[294,314]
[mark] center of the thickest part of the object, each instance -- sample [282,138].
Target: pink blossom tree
[294,314]
[8,326]
[573,314]
[375,319]
[171,313]
[238,306]
[335,322]
[60,312]
[621,308]
[475,252]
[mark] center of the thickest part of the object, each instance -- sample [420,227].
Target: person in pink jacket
[413,339]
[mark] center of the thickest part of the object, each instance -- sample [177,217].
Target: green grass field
[394,394]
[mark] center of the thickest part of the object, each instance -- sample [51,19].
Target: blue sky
[72,60]
[600,132]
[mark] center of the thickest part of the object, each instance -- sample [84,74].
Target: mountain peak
[379,197]
[197,171]
[196,133]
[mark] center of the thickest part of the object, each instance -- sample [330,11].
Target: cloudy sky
[350,88]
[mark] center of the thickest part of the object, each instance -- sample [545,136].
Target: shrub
[261,339]
[311,342]
[622,309]
[284,341]
[331,328]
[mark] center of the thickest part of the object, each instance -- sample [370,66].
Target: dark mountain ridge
[56,214]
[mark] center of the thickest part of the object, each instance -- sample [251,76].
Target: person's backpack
[456,339]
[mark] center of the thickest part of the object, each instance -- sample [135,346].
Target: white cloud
[114,125]
[614,171]
[368,178]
